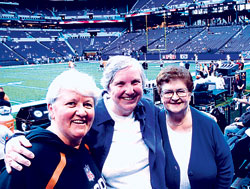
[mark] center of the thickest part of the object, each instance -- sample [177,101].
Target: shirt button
[176,168]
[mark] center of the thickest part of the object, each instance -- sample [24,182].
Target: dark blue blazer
[210,164]
[99,138]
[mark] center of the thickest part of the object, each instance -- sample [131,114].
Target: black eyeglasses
[170,93]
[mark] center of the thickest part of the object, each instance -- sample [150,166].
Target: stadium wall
[190,56]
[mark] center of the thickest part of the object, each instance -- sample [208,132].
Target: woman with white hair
[61,158]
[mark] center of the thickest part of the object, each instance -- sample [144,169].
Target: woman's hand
[16,153]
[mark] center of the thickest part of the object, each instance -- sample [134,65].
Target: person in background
[228,59]
[199,80]
[181,64]
[125,139]
[240,122]
[197,156]
[242,61]
[5,95]
[220,82]
[101,65]
[239,64]
[243,100]
[71,64]
[219,63]
[161,63]
[238,86]
[211,68]
[61,158]
[197,67]
[4,102]
[201,70]
[205,71]
[187,65]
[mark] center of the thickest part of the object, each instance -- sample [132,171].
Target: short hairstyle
[117,63]
[72,80]
[170,73]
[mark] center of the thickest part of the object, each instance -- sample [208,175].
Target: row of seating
[183,40]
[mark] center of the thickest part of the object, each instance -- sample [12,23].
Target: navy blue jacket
[210,164]
[100,136]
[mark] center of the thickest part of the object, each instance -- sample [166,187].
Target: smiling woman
[125,125]
[197,156]
[59,151]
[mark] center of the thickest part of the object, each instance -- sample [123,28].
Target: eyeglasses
[170,93]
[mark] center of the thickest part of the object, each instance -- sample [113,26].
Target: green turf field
[29,83]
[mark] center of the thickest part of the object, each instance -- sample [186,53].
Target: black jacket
[54,160]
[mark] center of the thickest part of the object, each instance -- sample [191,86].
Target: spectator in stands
[5,96]
[197,156]
[233,128]
[5,133]
[238,86]
[125,124]
[59,150]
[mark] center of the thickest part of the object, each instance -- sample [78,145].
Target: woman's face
[176,103]
[126,90]
[73,115]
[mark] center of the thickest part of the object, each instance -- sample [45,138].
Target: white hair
[72,80]
[117,63]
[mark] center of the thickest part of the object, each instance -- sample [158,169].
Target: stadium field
[24,84]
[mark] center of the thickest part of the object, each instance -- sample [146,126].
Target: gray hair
[117,63]
[72,80]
